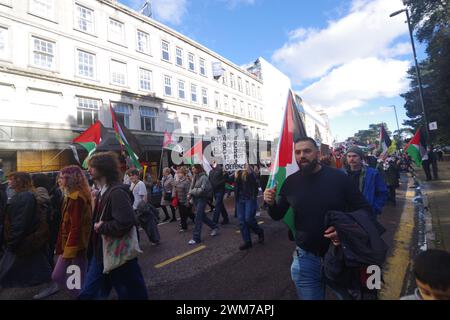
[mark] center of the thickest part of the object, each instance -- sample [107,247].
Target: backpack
[40,236]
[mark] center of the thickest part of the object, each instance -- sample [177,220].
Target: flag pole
[160,163]
[46,165]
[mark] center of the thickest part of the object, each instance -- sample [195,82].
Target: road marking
[397,264]
[181,256]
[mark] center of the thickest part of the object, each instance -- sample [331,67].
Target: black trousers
[426,168]
[391,194]
[185,213]
[164,209]
[434,166]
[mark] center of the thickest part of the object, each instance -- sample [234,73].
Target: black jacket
[361,245]
[118,217]
[247,189]
[217,179]
[21,219]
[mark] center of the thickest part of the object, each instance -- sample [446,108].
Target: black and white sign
[231,149]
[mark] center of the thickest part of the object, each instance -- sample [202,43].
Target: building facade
[64,62]
[276,86]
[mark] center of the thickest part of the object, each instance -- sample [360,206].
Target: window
[181,93]
[191,63]
[43,53]
[87,111]
[259,93]
[224,78]
[240,84]
[249,110]
[179,54]
[123,112]
[197,120]
[167,86]
[186,123]
[4,42]
[247,88]
[193,93]
[202,67]
[116,32]
[171,119]
[148,118]
[84,19]
[226,105]
[234,106]
[165,50]
[208,126]
[263,133]
[216,100]
[253,91]
[256,113]
[143,42]
[261,114]
[86,64]
[205,96]
[43,8]
[118,73]
[252,131]
[232,82]
[242,108]
[145,80]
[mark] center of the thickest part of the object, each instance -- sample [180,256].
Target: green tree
[371,135]
[431,21]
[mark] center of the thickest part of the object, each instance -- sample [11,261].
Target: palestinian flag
[170,143]
[285,164]
[89,140]
[385,141]
[122,139]
[417,147]
[195,155]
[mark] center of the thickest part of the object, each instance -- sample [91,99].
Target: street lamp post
[398,127]
[396,118]
[419,79]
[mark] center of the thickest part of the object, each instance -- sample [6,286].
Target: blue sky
[344,56]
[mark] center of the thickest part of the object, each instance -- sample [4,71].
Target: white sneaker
[182,230]
[191,242]
[214,232]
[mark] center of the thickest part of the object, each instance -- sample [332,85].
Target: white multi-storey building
[64,62]
[276,86]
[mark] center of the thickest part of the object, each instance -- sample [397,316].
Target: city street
[216,269]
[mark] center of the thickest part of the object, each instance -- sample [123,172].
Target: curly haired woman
[73,235]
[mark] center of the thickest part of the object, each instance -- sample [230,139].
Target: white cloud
[355,83]
[171,11]
[366,31]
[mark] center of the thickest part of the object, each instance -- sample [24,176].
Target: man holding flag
[302,192]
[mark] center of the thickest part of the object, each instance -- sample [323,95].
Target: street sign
[432,125]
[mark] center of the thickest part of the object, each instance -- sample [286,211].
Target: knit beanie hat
[356,150]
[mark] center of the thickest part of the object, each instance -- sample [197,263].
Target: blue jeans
[220,208]
[247,220]
[127,280]
[307,274]
[200,218]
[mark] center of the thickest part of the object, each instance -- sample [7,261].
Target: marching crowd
[91,220]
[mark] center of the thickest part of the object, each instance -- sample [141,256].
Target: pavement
[437,201]
[216,269]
